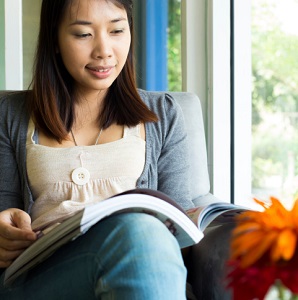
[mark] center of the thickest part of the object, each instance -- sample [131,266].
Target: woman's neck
[87,109]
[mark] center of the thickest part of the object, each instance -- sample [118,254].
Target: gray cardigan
[166,167]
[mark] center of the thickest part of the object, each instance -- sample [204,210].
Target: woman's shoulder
[157,99]
[163,104]
[13,97]
[13,109]
[13,102]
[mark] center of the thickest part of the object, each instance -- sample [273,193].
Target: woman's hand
[15,235]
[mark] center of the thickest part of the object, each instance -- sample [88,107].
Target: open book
[187,226]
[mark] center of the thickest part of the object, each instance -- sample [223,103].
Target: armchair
[206,266]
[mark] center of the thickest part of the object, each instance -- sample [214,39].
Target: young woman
[81,134]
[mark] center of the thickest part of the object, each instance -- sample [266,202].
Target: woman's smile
[100,72]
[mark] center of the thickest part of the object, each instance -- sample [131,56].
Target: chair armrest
[207,265]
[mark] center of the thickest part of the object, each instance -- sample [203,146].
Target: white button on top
[80,176]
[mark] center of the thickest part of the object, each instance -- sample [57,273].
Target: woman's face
[93,41]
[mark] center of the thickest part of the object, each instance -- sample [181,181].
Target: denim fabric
[126,257]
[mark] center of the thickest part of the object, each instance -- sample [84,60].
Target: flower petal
[285,246]
[254,254]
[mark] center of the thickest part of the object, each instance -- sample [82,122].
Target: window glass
[158,39]
[275,99]
[174,46]
[31,11]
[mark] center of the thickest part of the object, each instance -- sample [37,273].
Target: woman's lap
[127,256]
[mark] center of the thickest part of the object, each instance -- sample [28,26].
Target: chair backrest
[192,111]
[191,107]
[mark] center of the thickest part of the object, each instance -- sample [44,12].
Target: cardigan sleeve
[173,162]
[10,185]
[167,157]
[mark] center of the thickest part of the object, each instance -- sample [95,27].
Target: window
[174,46]
[18,34]
[31,11]
[275,99]
[158,44]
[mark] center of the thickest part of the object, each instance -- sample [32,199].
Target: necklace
[75,142]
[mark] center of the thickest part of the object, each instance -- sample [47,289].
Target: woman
[82,134]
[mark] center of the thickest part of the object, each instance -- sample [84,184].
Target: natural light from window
[275,99]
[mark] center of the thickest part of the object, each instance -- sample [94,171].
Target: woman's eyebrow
[80,22]
[118,20]
[83,22]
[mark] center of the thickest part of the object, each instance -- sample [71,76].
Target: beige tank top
[64,180]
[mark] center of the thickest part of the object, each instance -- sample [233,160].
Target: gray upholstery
[199,177]
[191,107]
[206,267]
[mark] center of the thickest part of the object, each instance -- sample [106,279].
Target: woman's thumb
[22,220]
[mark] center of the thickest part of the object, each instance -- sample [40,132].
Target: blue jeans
[126,257]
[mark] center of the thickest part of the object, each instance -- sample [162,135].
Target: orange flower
[273,231]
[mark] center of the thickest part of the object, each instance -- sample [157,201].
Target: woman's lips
[100,72]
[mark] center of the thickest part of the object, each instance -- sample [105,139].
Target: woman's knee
[141,229]
[146,256]
[141,235]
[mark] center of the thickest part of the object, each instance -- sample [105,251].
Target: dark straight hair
[53,96]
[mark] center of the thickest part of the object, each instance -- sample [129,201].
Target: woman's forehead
[83,8]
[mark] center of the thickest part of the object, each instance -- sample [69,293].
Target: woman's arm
[10,181]
[15,224]
[173,163]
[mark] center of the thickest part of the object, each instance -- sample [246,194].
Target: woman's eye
[83,35]
[117,31]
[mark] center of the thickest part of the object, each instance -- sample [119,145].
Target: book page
[214,214]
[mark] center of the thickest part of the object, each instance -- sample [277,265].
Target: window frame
[216,65]
[242,102]
[13,46]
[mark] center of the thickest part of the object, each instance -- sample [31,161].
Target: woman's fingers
[15,235]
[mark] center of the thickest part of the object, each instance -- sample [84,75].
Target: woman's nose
[102,48]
